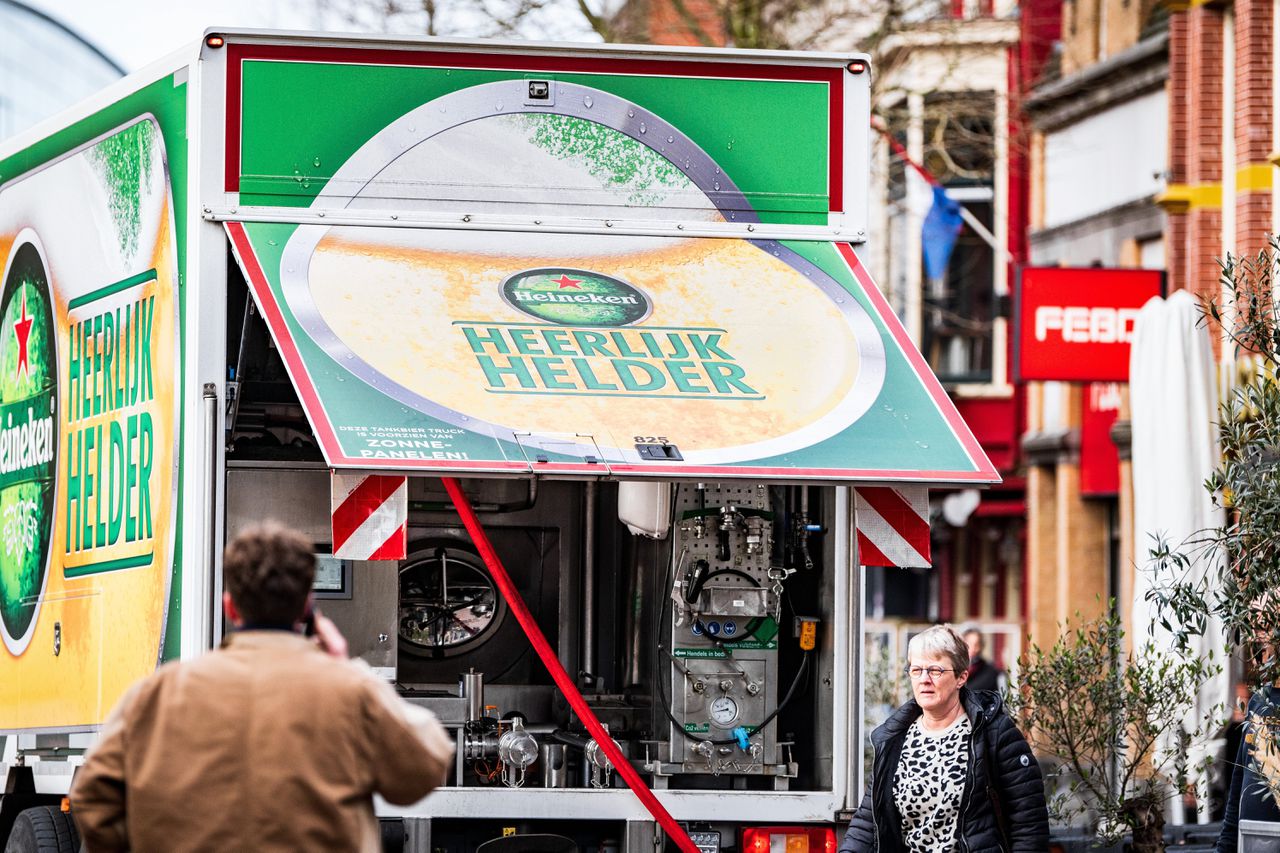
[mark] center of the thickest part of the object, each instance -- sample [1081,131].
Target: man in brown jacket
[273,742]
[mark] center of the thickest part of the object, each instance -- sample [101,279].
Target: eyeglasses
[935,672]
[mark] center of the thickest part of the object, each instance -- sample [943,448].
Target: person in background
[1250,797]
[951,770]
[274,742]
[983,675]
[1232,733]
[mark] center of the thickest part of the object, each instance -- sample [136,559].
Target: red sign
[1076,325]
[1099,459]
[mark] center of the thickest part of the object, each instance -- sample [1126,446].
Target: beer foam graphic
[720,347]
[553,164]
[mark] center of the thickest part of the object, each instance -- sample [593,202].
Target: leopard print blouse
[929,783]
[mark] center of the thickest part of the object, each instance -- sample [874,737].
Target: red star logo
[564,281]
[23,329]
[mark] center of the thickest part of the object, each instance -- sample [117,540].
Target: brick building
[1222,136]
[1200,77]
[1098,154]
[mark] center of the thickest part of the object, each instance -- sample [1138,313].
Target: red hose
[570,690]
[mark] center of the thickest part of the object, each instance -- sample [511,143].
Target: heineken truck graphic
[88,395]
[28,438]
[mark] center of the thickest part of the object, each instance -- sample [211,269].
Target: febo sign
[1076,325]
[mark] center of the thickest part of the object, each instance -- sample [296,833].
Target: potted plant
[1102,716]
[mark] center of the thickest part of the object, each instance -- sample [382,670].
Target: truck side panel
[92,245]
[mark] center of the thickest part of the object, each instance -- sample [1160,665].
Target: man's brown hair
[269,570]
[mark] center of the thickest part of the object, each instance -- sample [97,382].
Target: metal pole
[589,586]
[209,545]
[857,602]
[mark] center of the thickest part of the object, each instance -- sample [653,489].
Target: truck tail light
[788,839]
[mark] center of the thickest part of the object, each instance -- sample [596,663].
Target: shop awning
[466,351]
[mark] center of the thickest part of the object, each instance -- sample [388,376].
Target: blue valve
[743,736]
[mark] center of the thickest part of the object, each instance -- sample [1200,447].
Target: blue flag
[942,225]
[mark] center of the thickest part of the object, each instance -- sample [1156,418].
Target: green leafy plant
[1104,717]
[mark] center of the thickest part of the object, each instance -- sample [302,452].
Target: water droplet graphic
[730,145]
[316,162]
[631,113]
[271,242]
[411,128]
[717,185]
[643,129]
[670,139]
[498,106]
[717,170]
[587,102]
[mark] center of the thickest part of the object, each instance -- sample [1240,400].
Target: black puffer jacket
[1003,776]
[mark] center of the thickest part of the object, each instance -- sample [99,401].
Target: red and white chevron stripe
[370,516]
[893,526]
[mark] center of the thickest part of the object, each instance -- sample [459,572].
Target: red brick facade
[1198,166]
[1253,111]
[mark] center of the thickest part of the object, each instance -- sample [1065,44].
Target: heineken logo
[571,297]
[28,438]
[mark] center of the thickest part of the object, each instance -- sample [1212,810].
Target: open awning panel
[480,351]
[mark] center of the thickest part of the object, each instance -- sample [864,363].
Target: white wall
[1106,160]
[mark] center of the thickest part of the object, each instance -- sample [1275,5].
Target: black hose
[570,739]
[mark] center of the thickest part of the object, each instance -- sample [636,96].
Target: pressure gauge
[724,711]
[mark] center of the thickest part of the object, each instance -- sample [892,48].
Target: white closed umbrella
[1174,409]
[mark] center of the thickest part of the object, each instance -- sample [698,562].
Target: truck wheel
[44,829]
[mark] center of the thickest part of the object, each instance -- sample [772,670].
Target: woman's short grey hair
[940,641]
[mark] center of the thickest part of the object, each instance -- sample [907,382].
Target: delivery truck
[562,355]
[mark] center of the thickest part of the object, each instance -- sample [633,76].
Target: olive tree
[1102,715]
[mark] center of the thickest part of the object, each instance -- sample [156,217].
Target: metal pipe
[209,545]
[637,661]
[473,692]
[589,584]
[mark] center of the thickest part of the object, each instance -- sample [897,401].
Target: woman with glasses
[952,773]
